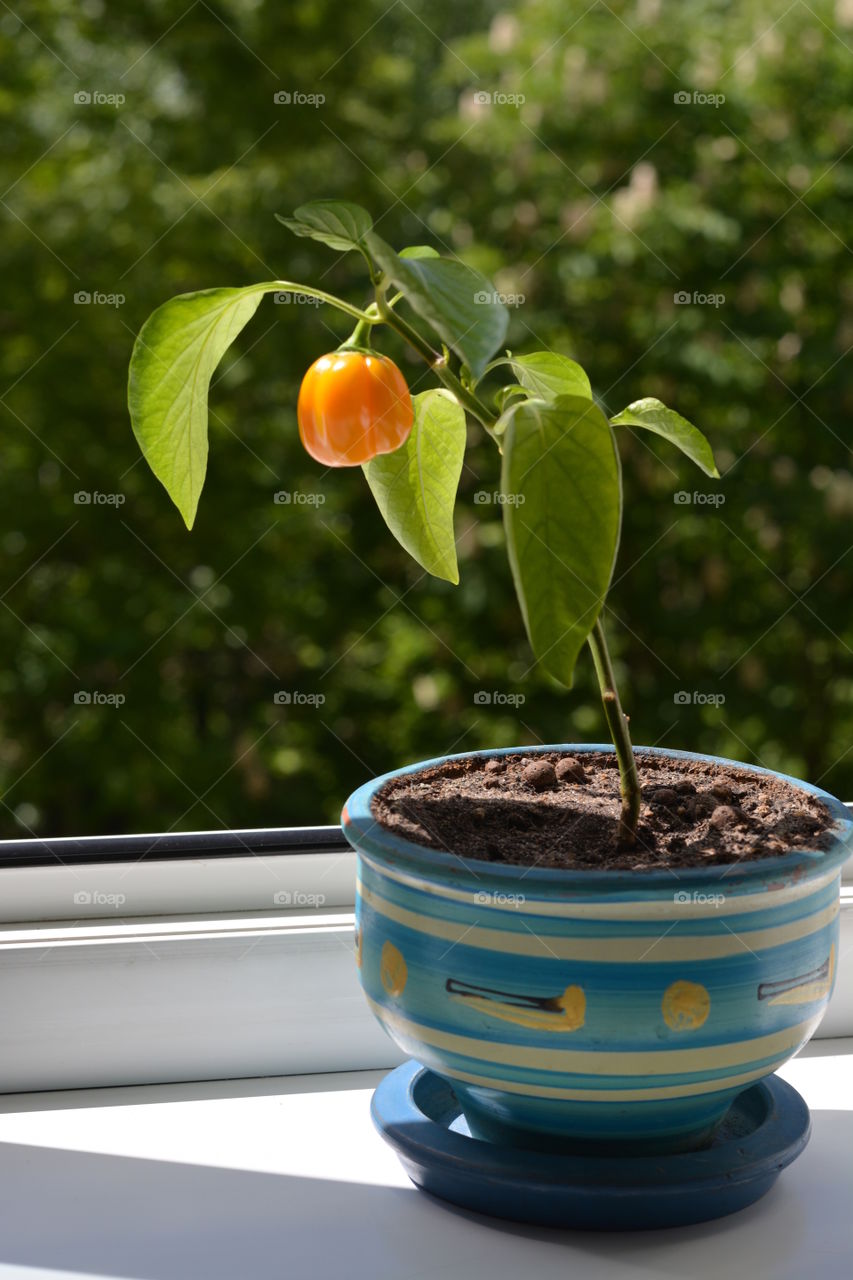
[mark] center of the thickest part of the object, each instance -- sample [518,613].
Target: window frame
[183,873]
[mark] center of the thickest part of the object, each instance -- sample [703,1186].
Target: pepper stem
[359,337]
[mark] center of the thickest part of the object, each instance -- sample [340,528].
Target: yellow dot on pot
[573,1004]
[685,1006]
[393,970]
[359,942]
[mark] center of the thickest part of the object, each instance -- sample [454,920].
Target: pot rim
[367,835]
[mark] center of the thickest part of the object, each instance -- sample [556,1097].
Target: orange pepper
[353,406]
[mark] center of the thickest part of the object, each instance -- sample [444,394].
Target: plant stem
[617,721]
[437,363]
[360,335]
[288,286]
[629,782]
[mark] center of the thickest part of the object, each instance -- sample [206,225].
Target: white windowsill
[243,1180]
[92,1003]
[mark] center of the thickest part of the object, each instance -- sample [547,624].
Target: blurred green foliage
[599,198]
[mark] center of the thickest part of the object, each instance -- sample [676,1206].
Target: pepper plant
[560,469]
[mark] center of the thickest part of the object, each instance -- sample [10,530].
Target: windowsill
[286,1176]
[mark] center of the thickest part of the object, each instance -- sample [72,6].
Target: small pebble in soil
[723,792]
[685,787]
[495,766]
[569,770]
[492,780]
[699,806]
[539,775]
[665,796]
[726,815]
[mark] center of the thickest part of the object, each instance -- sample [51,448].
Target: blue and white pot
[581,1008]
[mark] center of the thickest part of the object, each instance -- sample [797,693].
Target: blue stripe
[510,920]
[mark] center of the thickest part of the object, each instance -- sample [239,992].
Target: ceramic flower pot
[595,1010]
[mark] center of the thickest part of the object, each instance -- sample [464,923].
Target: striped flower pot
[578,1009]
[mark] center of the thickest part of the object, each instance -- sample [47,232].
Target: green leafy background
[598,199]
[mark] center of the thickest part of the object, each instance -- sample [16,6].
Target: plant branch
[288,286]
[438,364]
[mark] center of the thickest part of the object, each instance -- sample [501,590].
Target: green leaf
[173,359]
[654,416]
[506,392]
[562,513]
[415,486]
[459,303]
[419,251]
[337,223]
[547,375]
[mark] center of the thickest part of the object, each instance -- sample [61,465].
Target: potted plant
[599,947]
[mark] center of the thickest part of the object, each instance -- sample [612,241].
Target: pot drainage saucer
[766,1127]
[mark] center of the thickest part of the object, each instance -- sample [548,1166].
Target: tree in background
[666,195]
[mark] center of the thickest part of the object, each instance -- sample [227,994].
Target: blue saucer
[766,1127]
